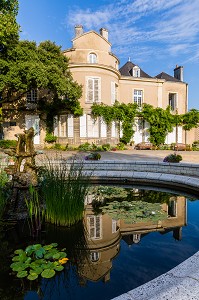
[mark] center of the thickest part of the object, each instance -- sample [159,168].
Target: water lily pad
[37,270]
[54,245]
[32,276]
[40,252]
[18,251]
[22,274]
[59,268]
[29,250]
[36,246]
[62,254]
[48,247]
[48,273]
[56,256]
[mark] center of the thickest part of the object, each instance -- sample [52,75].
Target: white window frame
[138,97]
[66,126]
[94,225]
[92,58]
[136,71]
[32,96]
[93,95]
[89,127]
[175,102]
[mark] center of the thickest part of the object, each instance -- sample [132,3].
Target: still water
[128,241]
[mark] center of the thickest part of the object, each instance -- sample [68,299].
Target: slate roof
[167,77]
[126,70]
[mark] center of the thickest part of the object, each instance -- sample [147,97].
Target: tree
[190,120]
[9,29]
[24,66]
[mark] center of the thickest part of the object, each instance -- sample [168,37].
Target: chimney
[78,30]
[178,72]
[104,33]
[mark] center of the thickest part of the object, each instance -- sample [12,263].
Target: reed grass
[64,188]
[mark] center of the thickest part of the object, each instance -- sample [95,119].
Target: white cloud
[164,27]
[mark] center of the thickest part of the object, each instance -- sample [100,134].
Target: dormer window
[92,58]
[136,71]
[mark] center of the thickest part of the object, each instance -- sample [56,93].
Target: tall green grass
[64,188]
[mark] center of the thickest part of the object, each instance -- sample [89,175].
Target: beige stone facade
[96,68]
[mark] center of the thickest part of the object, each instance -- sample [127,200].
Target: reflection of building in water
[104,234]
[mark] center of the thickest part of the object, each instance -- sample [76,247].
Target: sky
[157,35]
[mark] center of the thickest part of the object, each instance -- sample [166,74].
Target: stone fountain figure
[24,170]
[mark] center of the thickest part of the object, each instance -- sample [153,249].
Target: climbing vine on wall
[122,113]
[161,122]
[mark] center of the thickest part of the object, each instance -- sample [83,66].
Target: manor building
[96,68]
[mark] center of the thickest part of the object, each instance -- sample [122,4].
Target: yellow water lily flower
[63,260]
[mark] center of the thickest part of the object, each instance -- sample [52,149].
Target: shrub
[106,147]
[93,156]
[99,148]
[50,138]
[6,144]
[121,146]
[85,147]
[195,145]
[175,158]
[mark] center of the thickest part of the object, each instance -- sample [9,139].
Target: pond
[128,236]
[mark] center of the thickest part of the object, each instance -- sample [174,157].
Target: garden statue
[24,169]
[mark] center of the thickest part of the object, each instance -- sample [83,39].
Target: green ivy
[161,123]
[124,114]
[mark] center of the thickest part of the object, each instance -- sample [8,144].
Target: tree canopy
[24,66]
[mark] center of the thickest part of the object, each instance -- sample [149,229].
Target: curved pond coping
[182,282]
[180,176]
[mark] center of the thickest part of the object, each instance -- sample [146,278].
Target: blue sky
[157,35]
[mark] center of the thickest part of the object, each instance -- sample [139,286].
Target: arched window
[92,58]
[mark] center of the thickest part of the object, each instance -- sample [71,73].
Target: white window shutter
[112,92]
[103,128]
[83,126]
[96,90]
[70,126]
[89,90]
[55,125]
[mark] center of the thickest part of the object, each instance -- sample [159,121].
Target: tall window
[138,97]
[94,227]
[89,127]
[93,89]
[173,101]
[92,58]
[32,95]
[65,125]
[114,92]
[172,208]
